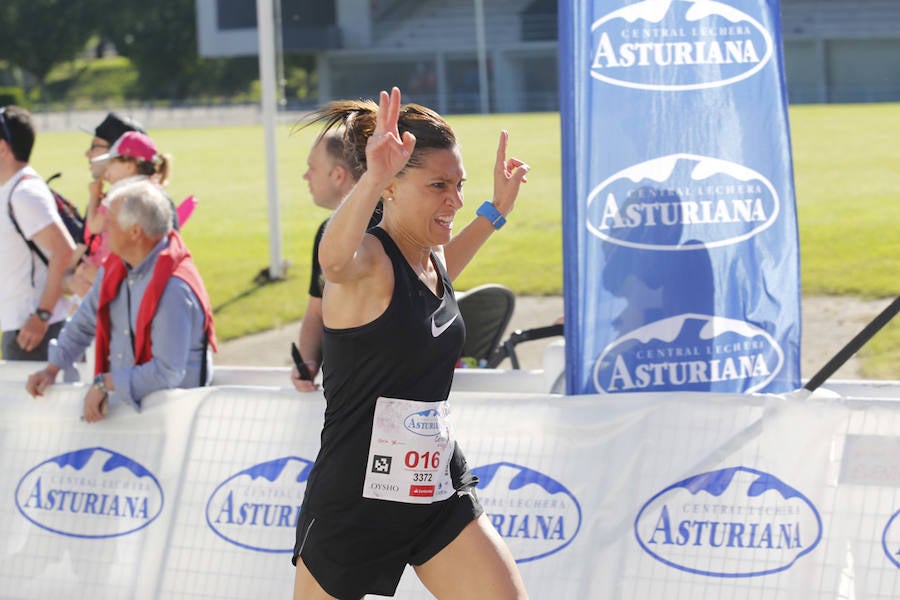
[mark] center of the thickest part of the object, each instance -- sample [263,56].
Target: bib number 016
[423,460]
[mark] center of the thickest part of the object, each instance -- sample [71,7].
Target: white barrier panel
[624,496]
[87,509]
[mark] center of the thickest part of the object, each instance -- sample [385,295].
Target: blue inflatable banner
[681,269]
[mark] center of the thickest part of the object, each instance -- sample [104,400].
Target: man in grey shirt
[148,310]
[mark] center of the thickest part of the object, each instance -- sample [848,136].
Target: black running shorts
[350,560]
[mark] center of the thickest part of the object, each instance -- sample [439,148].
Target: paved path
[829,322]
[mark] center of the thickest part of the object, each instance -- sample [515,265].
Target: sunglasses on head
[5,126]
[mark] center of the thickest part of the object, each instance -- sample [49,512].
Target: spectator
[93,247]
[32,306]
[133,157]
[149,310]
[329,177]
[105,134]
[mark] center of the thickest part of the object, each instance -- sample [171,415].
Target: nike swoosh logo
[436,331]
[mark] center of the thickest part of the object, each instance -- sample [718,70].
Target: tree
[160,39]
[37,35]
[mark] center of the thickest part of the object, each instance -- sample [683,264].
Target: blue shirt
[176,332]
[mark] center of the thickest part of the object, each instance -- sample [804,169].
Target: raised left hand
[509,174]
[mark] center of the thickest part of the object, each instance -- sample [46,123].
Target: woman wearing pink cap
[132,157]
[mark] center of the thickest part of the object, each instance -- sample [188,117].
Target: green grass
[846,160]
[847,180]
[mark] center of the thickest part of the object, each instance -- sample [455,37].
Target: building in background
[427,47]
[835,50]
[841,50]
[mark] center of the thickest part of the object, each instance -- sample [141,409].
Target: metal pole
[482,57]
[853,346]
[268,103]
[280,97]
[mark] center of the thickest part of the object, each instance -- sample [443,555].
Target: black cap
[113,126]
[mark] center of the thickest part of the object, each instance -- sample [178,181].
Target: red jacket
[174,261]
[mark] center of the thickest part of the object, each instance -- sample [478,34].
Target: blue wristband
[490,212]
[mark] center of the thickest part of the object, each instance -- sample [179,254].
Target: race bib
[410,451]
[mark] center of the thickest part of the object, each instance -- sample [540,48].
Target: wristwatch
[100,384]
[490,212]
[43,315]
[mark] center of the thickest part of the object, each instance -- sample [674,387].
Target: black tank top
[408,352]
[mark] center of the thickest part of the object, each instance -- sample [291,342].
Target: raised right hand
[387,152]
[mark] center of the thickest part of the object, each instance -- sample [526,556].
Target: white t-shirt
[34,208]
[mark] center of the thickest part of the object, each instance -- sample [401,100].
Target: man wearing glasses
[32,307]
[104,136]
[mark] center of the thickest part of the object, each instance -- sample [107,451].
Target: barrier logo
[689,352]
[536,515]
[678,45]
[257,508]
[90,493]
[736,522]
[682,203]
[890,540]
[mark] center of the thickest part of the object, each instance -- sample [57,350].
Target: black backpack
[68,212]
